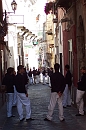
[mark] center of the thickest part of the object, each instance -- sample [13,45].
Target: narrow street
[40,95]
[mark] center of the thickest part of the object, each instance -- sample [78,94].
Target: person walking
[44,74]
[30,77]
[34,75]
[80,92]
[57,88]
[22,95]
[15,92]
[26,80]
[49,74]
[8,81]
[67,91]
[38,76]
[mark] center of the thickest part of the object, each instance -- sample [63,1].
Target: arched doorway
[80,44]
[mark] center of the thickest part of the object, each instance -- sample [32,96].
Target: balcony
[66,4]
[49,32]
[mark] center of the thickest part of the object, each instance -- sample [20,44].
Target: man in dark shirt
[66,94]
[57,88]
[8,81]
[44,74]
[30,77]
[22,95]
[38,76]
[34,75]
[80,92]
[50,72]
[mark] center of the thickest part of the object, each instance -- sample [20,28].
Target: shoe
[22,119]
[14,106]
[79,115]
[11,116]
[64,107]
[68,105]
[46,119]
[62,120]
[30,119]
[84,112]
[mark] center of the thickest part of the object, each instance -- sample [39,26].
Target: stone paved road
[40,95]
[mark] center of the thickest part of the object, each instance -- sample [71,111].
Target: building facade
[71,17]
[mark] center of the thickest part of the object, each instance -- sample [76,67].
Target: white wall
[11,37]
[12,43]
[60,42]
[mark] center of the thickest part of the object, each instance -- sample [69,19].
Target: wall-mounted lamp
[14,5]
[4,25]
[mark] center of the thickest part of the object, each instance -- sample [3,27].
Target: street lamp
[14,5]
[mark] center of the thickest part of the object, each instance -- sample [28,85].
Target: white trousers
[66,96]
[22,100]
[55,98]
[49,82]
[15,97]
[79,101]
[34,79]
[9,104]
[37,78]
[43,79]
[30,80]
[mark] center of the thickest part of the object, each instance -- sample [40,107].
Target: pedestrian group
[17,90]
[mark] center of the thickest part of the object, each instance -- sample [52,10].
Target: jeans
[9,104]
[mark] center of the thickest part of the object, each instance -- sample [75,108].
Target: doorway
[61,62]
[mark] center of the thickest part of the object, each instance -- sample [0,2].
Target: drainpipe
[1,20]
[1,12]
[22,50]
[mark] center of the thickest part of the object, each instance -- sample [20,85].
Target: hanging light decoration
[14,5]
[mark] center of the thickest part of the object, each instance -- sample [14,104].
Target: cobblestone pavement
[39,96]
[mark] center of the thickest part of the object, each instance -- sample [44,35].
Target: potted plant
[50,7]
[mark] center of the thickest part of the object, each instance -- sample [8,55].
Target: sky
[40,6]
